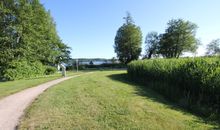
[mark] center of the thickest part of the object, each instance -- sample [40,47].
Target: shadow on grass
[142,90]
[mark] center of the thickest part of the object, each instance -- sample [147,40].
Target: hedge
[192,82]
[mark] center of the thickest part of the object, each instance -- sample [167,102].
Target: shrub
[50,70]
[193,82]
[19,69]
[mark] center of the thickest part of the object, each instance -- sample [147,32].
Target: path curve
[13,106]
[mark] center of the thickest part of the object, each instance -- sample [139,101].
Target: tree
[213,48]
[179,37]
[113,60]
[8,33]
[38,34]
[91,63]
[28,34]
[128,41]
[152,44]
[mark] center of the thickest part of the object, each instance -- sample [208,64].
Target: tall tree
[213,48]
[152,44]
[128,41]
[28,33]
[38,33]
[8,33]
[179,37]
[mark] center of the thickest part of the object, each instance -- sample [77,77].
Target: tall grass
[192,82]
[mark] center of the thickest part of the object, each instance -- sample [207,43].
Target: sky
[89,26]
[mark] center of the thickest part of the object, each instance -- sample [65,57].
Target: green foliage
[179,37]
[8,45]
[19,69]
[50,70]
[213,48]
[101,66]
[128,41]
[193,82]
[106,100]
[152,44]
[27,31]
[113,60]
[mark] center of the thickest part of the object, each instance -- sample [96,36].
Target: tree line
[28,35]
[179,37]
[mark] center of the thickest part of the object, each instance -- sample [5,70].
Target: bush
[19,69]
[50,70]
[192,82]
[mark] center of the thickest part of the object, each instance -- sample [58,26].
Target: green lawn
[105,100]
[10,87]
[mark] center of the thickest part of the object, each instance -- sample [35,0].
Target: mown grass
[10,87]
[194,83]
[103,100]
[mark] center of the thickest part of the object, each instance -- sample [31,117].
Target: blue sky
[89,26]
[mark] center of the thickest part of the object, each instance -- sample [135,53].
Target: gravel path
[13,106]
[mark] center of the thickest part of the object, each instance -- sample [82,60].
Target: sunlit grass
[10,87]
[100,101]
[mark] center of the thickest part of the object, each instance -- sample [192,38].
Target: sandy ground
[13,106]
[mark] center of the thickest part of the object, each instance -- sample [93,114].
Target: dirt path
[13,106]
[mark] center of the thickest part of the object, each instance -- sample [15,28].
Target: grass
[105,100]
[10,87]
